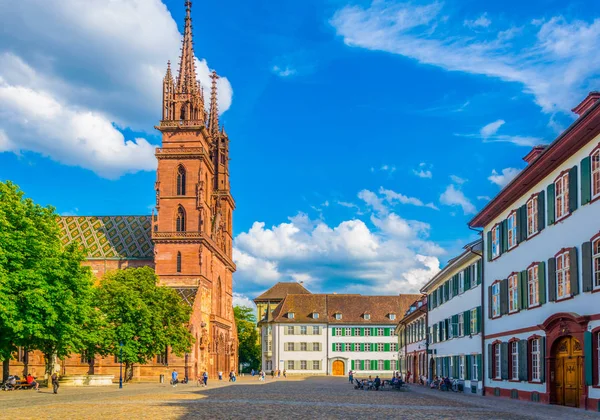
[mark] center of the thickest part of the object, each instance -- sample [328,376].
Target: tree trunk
[5,369]
[49,364]
[128,371]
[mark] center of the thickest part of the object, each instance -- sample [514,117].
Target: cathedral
[187,239]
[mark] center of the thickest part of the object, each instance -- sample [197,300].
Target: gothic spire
[213,119]
[187,80]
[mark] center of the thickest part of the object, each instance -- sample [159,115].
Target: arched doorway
[432,368]
[568,367]
[337,368]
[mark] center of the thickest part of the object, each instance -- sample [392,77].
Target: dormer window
[338,316]
[315,315]
[290,315]
[367,316]
[392,316]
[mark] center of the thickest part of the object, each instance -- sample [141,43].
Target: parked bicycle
[458,385]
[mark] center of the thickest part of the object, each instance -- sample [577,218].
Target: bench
[22,384]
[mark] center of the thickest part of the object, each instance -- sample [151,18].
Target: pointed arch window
[181,180]
[180,222]
[179,262]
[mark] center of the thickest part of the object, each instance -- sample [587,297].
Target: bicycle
[457,385]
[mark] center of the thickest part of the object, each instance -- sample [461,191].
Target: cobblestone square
[306,398]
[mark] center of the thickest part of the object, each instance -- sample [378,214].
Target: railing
[167,235]
[182,123]
[179,150]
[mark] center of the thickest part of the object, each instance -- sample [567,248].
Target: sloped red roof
[281,290]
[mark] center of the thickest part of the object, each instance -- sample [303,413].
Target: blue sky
[364,135]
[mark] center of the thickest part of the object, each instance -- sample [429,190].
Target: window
[315,315]
[596,262]
[461,324]
[532,216]
[303,364]
[497,361]
[303,330]
[461,367]
[348,331]
[357,332]
[461,282]
[393,365]
[380,365]
[514,360]
[495,241]
[394,347]
[513,293]
[367,365]
[178,262]
[595,166]
[338,331]
[290,365]
[475,369]
[496,299]
[380,332]
[442,331]
[533,286]
[380,347]
[316,331]
[561,186]
[337,346]
[598,364]
[290,315]
[338,316]
[450,328]
[180,220]
[316,365]
[161,359]
[367,332]
[290,330]
[392,317]
[535,360]
[563,277]
[315,346]
[512,229]
[367,316]
[473,324]
[180,180]
[290,347]
[269,345]
[303,346]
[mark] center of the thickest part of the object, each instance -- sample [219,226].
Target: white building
[412,340]
[542,269]
[318,334]
[454,319]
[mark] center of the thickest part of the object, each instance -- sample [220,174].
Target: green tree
[45,293]
[142,316]
[249,349]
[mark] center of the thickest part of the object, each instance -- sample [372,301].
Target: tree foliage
[45,292]
[142,316]
[249,349]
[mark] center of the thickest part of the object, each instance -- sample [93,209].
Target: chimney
[534,153]
[587,103]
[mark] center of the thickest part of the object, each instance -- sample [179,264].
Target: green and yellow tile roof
[123,237]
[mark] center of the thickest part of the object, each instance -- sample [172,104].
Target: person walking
[55,385]
[205,379]
[174,376]
[220,375]
[350,376]
[284,373]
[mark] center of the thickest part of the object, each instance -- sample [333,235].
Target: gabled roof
[109,237]
[281,290]
[352,308]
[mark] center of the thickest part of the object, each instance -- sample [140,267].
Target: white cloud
[491,128]
[81,77]
[423,173]
[455,197]
[242,300]
[458,180]
[555,61]
[393,198]
[503,178]
[393,257]
[481,22]
[483,197]
[373,201]
[388,168]
[283,71]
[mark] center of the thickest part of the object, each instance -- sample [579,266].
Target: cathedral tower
[192,228]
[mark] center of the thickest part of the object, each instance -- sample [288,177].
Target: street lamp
[121,365]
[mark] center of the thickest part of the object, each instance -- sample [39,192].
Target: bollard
[162,379]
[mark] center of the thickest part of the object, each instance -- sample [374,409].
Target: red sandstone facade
[190,235]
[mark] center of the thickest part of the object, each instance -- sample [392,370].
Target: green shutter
[522,223]
[542,282]
[479,271]
[543,359]
[468,365]
[386,347]
[373,332]
[586,181]
[490,364]
[588,356]
[362,365]
[333,332]
[387,332]
[551,279]
[489,246]
[504,360]
[574,271]
[343,332]
[352,364]
[373,364]
[467,275]
[479,320]
[343,346]
[387,365]
[352,332]
[503,236]
[523,290]
[551,204]
[362,332]
[332,346]
[467,320]
[352,347]
[573,189]
[523,360]
[541,208]
[362,346]
[586,267]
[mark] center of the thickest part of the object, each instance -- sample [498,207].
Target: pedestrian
[54,378]
[252,373]
[278,373]
[205,379]
[350,376]
[231,376]
[220,375]
[174,376]
[272,374]
[284,373]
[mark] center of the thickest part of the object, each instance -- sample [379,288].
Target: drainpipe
[327,338]
[483,312]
